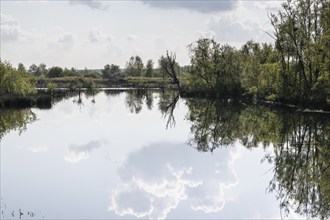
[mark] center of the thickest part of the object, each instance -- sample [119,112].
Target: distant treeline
[294,70]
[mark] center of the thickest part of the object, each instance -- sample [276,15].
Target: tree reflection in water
[136,98]
[13,119]
[301,165]
[166,105]
[301,145]
[300,141]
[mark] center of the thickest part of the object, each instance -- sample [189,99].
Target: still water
[153,155]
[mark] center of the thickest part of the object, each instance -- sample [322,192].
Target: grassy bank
[90,83]
[150,82]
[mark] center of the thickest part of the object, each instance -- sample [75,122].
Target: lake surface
[153,155]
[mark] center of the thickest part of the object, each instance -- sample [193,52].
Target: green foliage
[15,82]
[215,69]
[89,84]
[134,67]
[68,73]
[299,141]
[295,71]
[55,72]
[51,87]
[21,68]
[150,68]
[86,73]
[38,71]
[110,71]
[302,40]
[260,73]
[93,75]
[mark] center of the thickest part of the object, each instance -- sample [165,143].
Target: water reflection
[167,103]
[213,124]
[81,152]
[301,144]
[11,119]
[17,214]
[301,165]
[135,99]
[155,179]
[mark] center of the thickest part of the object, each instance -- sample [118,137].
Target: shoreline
[44,98]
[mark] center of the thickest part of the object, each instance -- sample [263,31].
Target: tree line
[294,70]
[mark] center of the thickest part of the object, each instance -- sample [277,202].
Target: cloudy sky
[94,33]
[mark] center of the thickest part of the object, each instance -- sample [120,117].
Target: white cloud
[38,149]
[230,29]
[11,31]
[158,198]
[204,34]
[215,200]
[82,152]
[205,6]
[131,37]
[8,20]
[161,180]
[271,6]
[98,35]
[64,41]
[93,4]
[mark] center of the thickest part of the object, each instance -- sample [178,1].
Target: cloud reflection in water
[81,152]
[156,179]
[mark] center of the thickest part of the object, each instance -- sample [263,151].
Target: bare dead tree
[168,112]
[169,66]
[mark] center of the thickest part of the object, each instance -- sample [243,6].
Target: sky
[91,34]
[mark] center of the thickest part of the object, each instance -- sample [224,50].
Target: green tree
[38,71]
[15,82]
[21,68]
[150,68]
[300,29]
[134,67]
[42,70]
[138,66]
[110,71]
[33,69]
[260,71]
[55,72]
[215,70]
